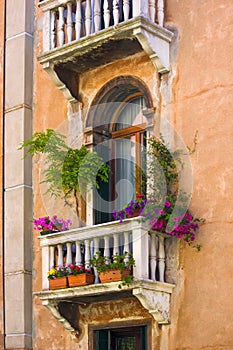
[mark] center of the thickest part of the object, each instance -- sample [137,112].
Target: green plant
[121,262]
[67,171]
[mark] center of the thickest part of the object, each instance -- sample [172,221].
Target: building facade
[106,74]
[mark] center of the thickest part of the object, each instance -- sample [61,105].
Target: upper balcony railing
[69,20]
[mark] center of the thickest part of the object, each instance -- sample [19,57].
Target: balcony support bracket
[54,307]
[65,80]
[157,302]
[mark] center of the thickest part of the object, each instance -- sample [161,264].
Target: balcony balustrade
[79,245]
[70,20]
[153,273]
[82,35]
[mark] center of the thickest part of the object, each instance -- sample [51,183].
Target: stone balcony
[81,35]
[154,273]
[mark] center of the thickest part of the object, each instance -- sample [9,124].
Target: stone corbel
[156,302]
[156,44]
[54,309]
[64,80]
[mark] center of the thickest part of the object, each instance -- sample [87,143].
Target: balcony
[154,274]
[82,35]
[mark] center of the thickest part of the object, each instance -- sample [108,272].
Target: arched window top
[115,95]
[130,113]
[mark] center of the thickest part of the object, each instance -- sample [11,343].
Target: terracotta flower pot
[58,283]
[113,275]
[135,214]
[81,279]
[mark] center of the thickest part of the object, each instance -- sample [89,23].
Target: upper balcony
[154,271]
[82,35]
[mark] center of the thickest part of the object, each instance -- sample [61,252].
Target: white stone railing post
[160,11]
[140,8]
[152,9]
[153,256]
[97,15]
[69,22]
[106,14]
[126,9]
[78,256]
[78,23]
[88,18]
[69,253]
[53,29]
[161,258]
[45,267]
[140,253]
[61,23]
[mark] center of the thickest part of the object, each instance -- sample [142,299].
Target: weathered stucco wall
[195,95]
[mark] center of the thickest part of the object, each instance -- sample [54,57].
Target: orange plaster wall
[200,99]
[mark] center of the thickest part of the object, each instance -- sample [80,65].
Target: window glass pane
[131,114]
[127,343]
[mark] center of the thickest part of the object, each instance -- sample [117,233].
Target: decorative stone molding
[109,44]
[154,297]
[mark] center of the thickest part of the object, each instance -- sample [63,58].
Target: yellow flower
[52,272]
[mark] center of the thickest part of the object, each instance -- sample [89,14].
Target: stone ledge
[105,46]
[154,297]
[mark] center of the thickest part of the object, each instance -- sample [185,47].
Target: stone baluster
[69,253]
[116,11]
[140,253]
[78,255]
[160,11]
[69,22]
[161,258]
[126,9]
[51,256]
[45,266]
[106,247]
[87,253]
[61,22]
[88,17]
[153,257]
[152,9]
[78,23]
[106,14]
[96,249]
[53,29]
[60,254]
[126,245]
[97,14]
[116,244]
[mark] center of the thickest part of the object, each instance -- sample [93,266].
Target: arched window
[119,135]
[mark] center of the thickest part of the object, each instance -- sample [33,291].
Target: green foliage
[121,262]
[42,140]
[67,170]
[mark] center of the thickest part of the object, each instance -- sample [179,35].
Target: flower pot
[58,283]
[81,279]
[113,275]
[136,213]
[48,232]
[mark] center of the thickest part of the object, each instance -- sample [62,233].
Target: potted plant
[79,276]
[132,209]
[118,268]
[68,171]
[50,225]
[58,277]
